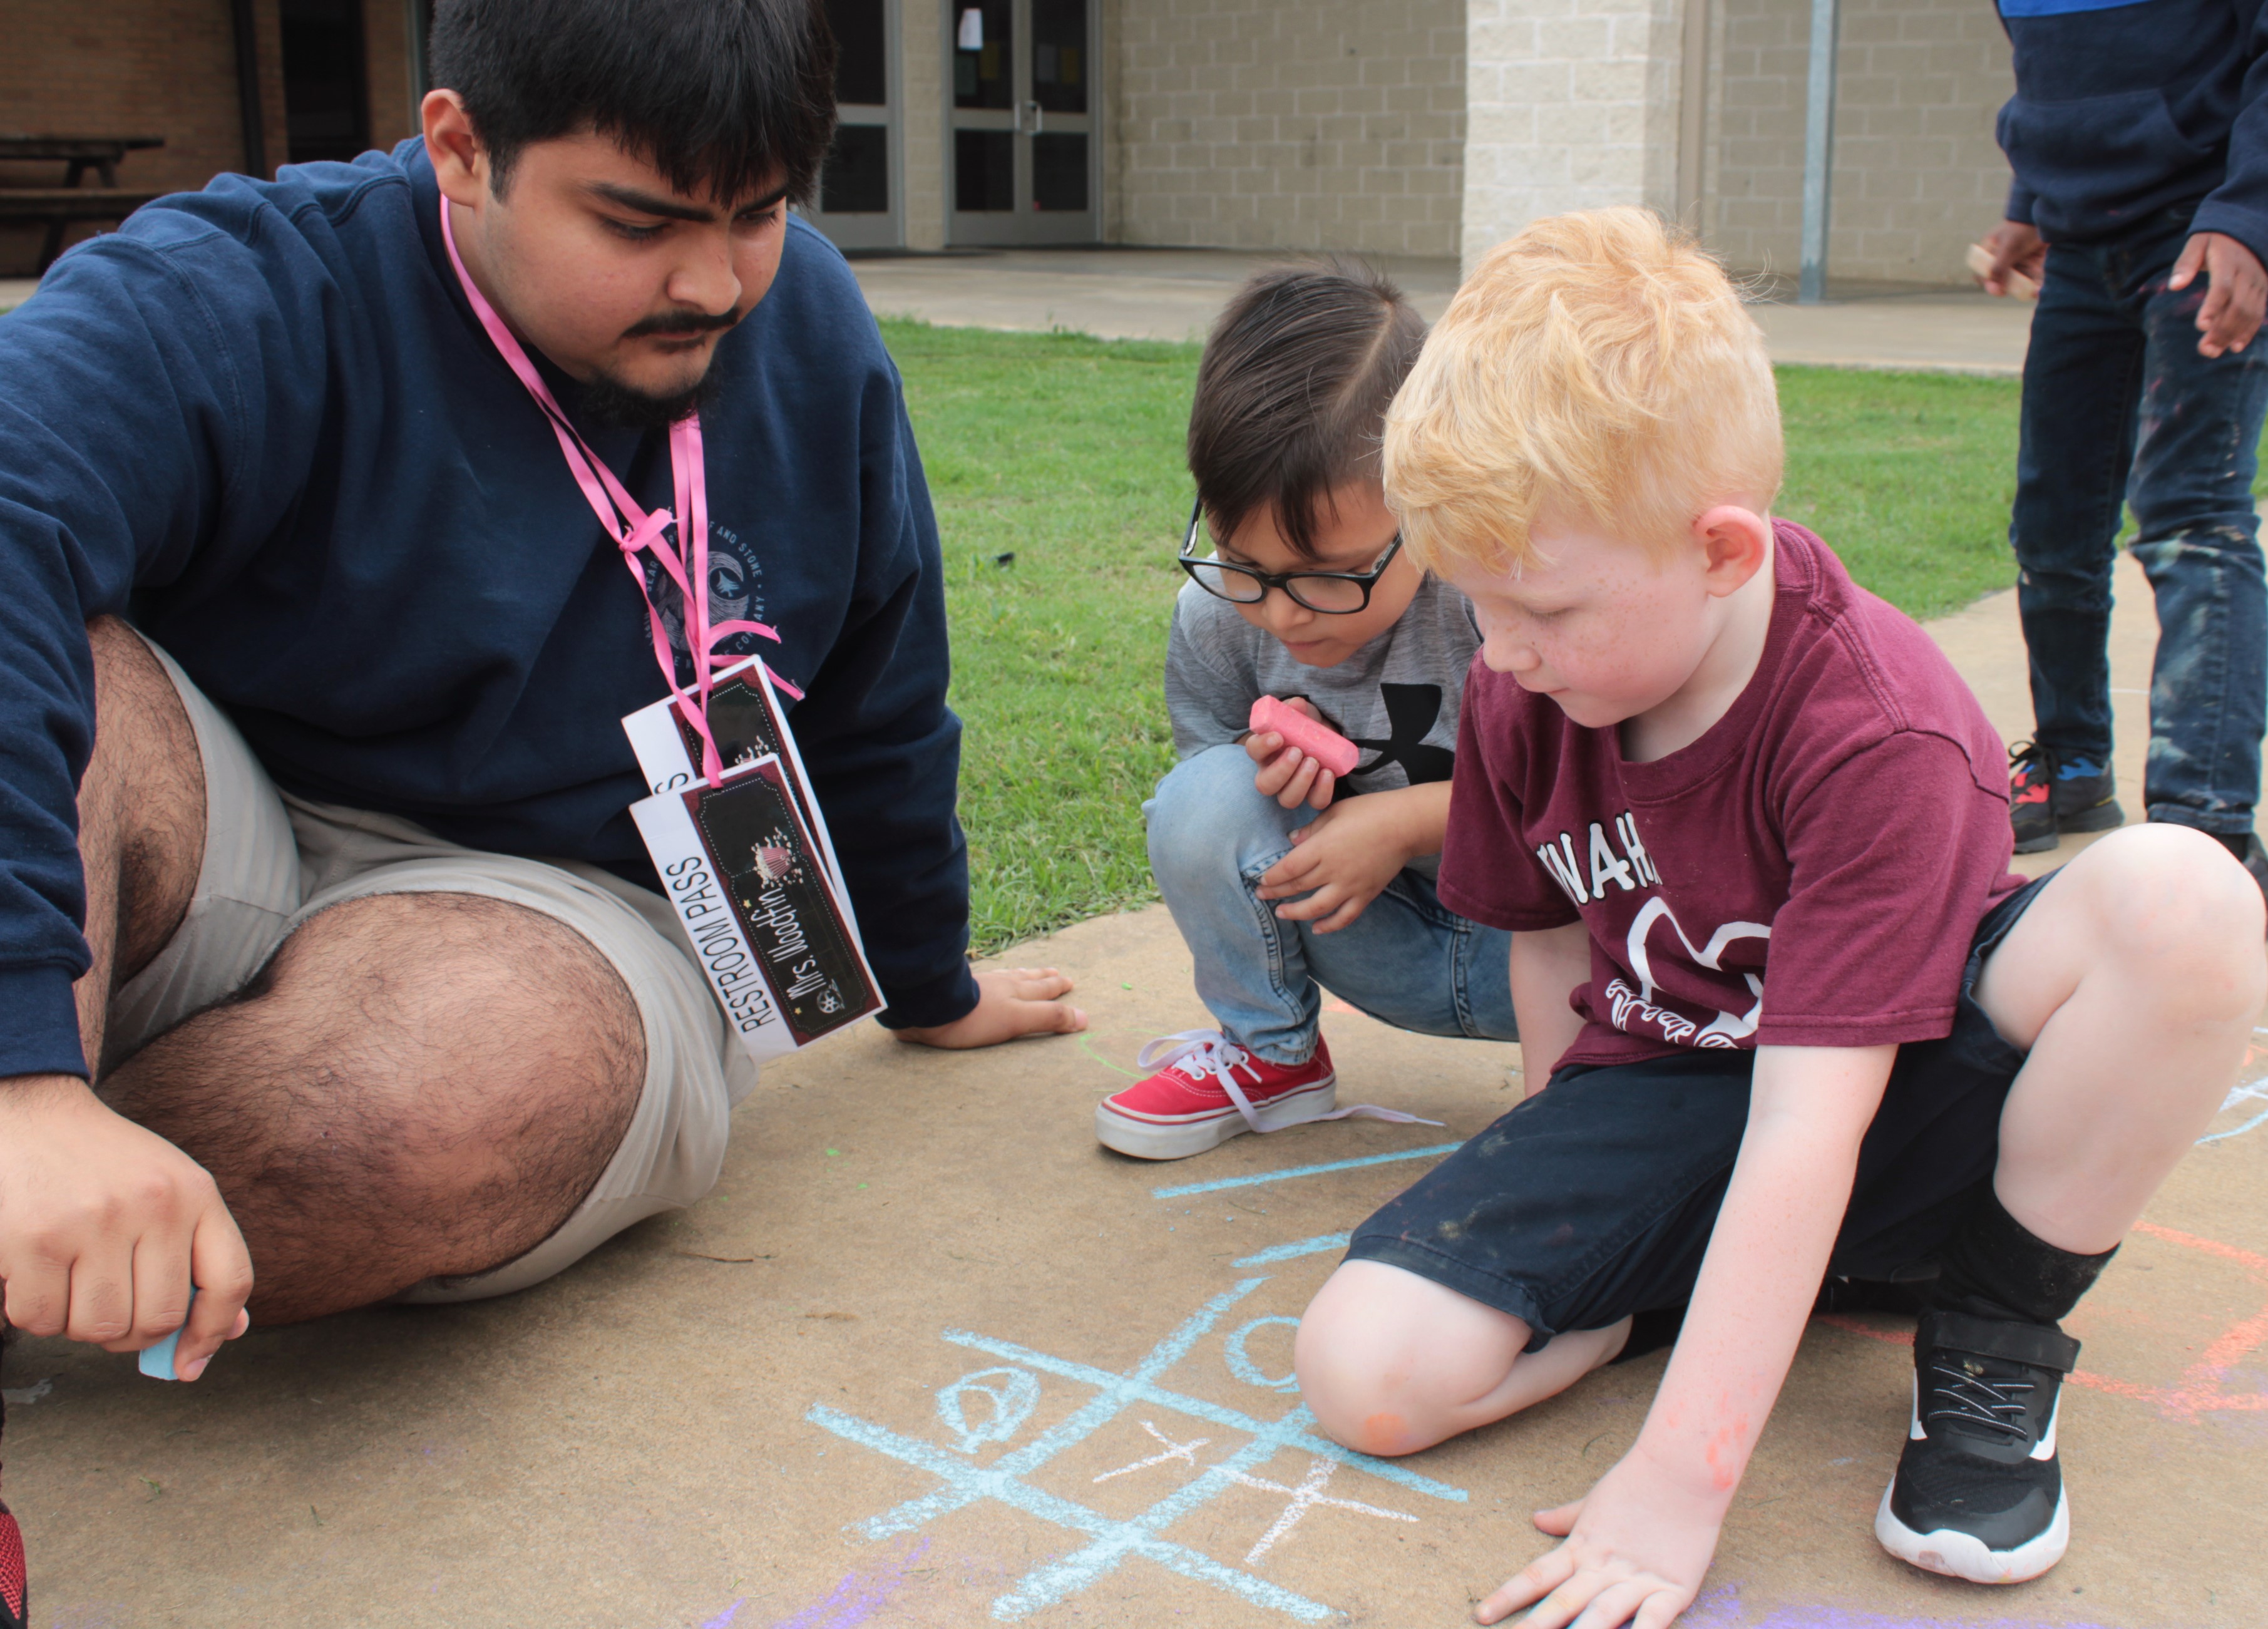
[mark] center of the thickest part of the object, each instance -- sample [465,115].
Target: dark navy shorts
[1593,1200]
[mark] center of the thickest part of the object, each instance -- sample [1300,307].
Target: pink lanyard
[638,531]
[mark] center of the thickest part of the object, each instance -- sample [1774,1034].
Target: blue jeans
[2119,408]
[1405,961]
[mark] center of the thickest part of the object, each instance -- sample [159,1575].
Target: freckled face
[1605,627]
[1352,530]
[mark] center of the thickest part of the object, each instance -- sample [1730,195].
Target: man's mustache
[681,325]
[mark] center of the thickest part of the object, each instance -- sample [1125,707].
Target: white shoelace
[1198,1053]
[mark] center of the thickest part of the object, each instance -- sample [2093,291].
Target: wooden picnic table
[57,207]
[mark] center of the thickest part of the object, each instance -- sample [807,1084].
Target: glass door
[858,200]
[1025,162]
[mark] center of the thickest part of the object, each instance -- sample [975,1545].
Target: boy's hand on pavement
[2237,296]
[1637,1549]
[104,1225]
[2017,247]
[1342,859]
[1012,1002]
[1286,774]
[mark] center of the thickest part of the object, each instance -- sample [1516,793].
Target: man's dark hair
[1293,392]
[721,96]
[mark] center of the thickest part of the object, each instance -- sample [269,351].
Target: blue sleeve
[2238,206]
[882,748]
[153,393]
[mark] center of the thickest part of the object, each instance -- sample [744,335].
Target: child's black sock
[1995,1267]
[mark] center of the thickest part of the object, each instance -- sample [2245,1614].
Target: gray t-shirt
[1396,697]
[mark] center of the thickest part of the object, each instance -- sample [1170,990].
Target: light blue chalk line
[1186,1189]
[989,1483]
[1142,1391]
[1285,1252]
[1117,1391]
[2256,1121]
[1045,1585]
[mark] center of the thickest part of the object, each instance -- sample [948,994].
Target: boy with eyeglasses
[1283,882]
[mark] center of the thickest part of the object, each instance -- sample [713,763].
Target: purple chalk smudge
[723,1619]
[856,1599]
[1720,1608]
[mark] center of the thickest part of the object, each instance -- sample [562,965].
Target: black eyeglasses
[1334,594]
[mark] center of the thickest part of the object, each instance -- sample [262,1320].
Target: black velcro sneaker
[1978,1493]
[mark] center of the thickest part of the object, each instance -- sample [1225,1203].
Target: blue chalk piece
[158,1360]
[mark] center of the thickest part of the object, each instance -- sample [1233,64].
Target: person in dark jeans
[2138,137]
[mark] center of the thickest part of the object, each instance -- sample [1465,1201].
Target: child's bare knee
[1391,1363]
[2186,914]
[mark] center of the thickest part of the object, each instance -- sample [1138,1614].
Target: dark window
[1060,63]
[984,53]
[1059,171]
[983,170]
[857,178]
[859,77]
[326,97]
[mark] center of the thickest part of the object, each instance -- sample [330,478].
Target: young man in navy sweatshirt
[328,947]
[2139,136]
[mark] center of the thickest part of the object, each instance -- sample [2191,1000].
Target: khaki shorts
[273,860]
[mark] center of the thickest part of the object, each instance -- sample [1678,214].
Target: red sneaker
[14,1613]
[14,1610]
[1211,1089]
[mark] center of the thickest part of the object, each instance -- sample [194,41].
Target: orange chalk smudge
[1384,1433]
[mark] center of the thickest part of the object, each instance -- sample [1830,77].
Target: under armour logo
[1412,712]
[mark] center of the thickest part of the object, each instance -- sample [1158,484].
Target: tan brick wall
[385,54]
[1329,124]
[130,66]
[1573,104]
[1918,174]
[921,123]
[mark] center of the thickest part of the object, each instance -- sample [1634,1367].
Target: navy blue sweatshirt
[262,420]
[2123,111]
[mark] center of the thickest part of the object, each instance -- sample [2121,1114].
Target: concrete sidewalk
[929,1357]
[1174,294]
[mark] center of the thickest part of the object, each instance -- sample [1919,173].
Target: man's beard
[610,401]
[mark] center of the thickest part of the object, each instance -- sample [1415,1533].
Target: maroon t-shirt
[1809,873]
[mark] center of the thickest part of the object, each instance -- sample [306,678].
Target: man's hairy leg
[140,819]
[416,1086]
[102,1224]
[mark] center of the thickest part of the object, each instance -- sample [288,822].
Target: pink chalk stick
[1333,751]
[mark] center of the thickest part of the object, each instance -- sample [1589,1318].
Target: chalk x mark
[1186,1189]
[1111,1540]
[1174,1450]
[1305,1498]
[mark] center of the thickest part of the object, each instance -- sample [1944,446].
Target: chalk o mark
[1012,1402]
[1241,1364]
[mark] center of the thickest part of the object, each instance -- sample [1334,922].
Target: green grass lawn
[1065,452]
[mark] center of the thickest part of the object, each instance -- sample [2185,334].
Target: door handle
[1033,112]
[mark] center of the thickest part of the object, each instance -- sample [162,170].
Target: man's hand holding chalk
[105,1226]
[1301,757]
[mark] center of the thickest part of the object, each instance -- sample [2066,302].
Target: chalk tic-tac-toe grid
[1004,1398]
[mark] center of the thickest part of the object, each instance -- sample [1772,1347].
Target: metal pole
[1818,153]
[248,89]
[417,17]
